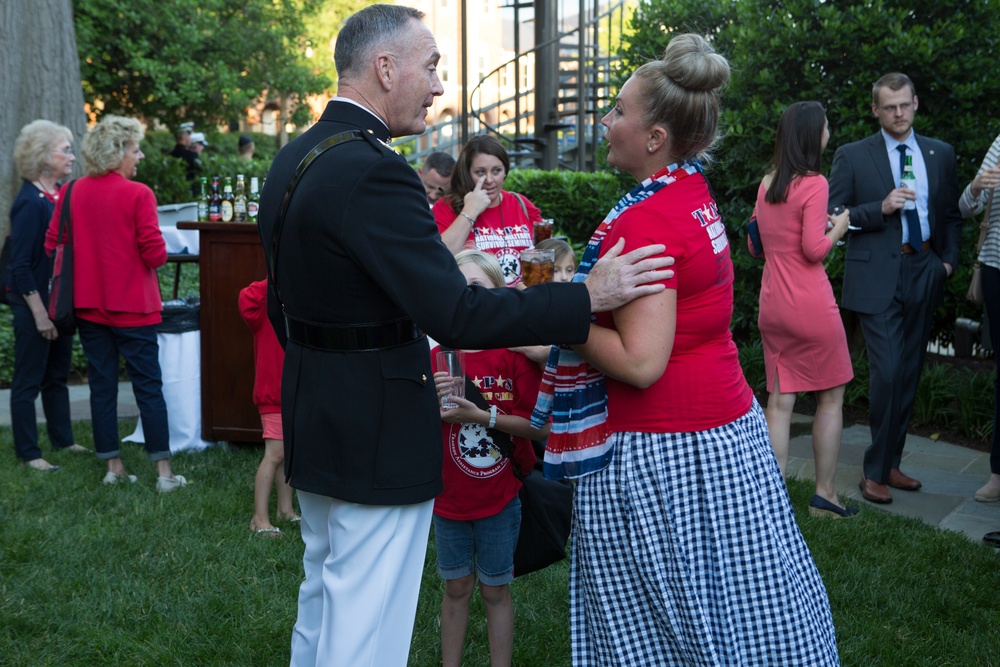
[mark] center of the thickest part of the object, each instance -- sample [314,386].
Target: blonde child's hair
[488,263]
[561,247]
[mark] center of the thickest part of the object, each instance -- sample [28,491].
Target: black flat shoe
[992,539]
[820,507]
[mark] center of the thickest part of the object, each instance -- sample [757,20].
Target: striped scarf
[573,393]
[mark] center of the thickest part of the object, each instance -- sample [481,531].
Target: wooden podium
[230,258]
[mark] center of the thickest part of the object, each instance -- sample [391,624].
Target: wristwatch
[493,417]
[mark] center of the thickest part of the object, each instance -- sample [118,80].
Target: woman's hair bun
[691,62]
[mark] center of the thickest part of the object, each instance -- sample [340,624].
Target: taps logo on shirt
[470,445]
[711,220]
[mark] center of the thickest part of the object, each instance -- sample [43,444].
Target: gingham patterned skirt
[685,551]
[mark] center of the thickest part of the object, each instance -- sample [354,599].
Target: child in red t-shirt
[478,515]
[268,359]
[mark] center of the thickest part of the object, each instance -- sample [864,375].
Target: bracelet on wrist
[472,221]
[493,417]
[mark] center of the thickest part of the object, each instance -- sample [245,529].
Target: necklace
[52,194]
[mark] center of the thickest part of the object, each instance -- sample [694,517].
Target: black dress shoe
[992,539]
[821,507]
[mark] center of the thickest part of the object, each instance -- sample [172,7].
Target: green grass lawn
[94,575]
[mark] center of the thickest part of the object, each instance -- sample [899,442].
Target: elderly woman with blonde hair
[43,154]
[117,248]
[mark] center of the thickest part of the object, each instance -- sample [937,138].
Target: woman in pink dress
[805,348]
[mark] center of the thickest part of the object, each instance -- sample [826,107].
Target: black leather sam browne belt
[330,337]
[352,337]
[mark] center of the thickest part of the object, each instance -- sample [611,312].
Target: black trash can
[180,315]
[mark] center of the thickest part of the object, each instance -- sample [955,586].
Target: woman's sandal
[41,465]
[820,507]
[268,532]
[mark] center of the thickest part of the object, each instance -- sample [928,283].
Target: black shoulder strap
[502,440]
[279,221]
[65,229]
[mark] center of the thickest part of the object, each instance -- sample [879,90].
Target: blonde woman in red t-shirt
[685,547]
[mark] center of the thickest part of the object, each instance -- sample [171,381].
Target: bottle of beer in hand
[908,180]
[215,202]
[253,201]
[240,201]
[203,200]
[227,200]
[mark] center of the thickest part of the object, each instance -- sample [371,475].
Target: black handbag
[60,308]
[755,245]
[4,268]
[546,506]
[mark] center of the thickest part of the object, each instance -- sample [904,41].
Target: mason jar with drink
[537,266]
[543,230]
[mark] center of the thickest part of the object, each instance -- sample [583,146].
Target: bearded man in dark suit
[897,261]
[358,274]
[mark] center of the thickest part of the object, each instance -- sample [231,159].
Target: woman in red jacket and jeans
[117,247]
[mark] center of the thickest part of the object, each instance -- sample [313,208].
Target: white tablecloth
[179,241]
[180,364]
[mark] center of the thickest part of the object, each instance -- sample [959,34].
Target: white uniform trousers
[363,565]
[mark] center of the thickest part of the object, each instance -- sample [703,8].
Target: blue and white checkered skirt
[686,552]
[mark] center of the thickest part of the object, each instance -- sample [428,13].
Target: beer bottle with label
[227,200]
[253,201]
[203,201]
[240,201]
[908,180]
[215,202]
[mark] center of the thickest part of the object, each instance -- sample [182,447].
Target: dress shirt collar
[891,143]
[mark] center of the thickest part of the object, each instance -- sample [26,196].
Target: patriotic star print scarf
[573,392]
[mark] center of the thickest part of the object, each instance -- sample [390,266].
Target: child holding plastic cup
[478,515]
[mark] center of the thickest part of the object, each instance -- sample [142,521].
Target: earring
[649,148]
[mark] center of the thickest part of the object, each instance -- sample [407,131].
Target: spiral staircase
[547,101]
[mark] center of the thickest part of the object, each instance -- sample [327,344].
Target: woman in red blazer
[117,247]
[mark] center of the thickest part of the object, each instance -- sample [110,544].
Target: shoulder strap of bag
[279,222]
[502,440]
[65,228]
[984,225]
[524,209]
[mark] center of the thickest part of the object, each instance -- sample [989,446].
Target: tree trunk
[39,78]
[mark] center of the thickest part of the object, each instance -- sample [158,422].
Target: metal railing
[501,104]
